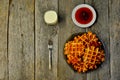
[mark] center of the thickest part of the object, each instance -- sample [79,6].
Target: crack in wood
[10,1]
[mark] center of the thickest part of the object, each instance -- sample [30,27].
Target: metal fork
[50,47]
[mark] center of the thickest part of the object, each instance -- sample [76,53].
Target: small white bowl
[83,25]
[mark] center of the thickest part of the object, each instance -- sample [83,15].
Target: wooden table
[24,39]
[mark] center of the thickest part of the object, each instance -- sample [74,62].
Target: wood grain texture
[4,4]
[43,34]
[24,39]
[66,29]
[21,40]
[115,39]
[101,29]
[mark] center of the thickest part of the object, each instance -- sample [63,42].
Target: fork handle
[50,59]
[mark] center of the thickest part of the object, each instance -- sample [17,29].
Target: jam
[84,15]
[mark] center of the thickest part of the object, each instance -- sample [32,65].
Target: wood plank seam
[34,44]
[109,7]
[8,39]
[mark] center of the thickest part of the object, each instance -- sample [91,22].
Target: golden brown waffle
[84,52]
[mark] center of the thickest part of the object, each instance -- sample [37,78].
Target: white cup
[50,17]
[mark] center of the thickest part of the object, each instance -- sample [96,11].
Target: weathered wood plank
[66,29]
[43,34]
[4,6]
[101,28]
[21,40]
[115,39]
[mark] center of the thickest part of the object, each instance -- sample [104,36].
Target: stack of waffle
[84,52]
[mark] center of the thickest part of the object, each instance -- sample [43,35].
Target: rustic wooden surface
[21,40]
[24,39]
[4,7]
[43,33]
[115,39]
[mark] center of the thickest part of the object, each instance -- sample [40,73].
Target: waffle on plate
[84,52]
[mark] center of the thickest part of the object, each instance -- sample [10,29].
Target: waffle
[84,52]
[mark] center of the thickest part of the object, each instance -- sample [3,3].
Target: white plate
[83,25]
